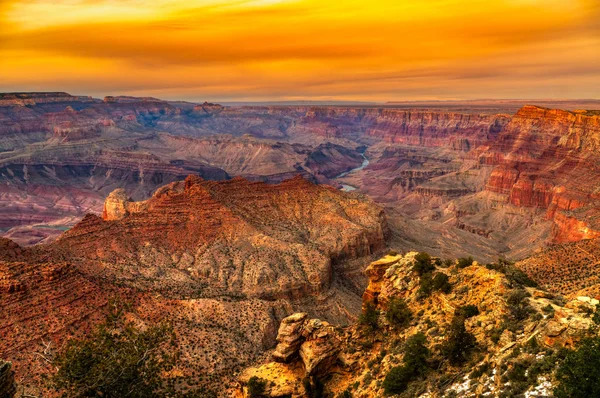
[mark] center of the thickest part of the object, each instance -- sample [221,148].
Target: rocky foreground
[516,332]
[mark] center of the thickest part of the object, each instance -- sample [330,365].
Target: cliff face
[546,159]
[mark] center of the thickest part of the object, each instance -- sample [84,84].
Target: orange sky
[303,49]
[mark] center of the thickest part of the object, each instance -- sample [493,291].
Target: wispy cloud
[303,48]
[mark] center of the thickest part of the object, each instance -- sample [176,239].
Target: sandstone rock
[313,340]
[290,337]
[554,329]
[118,205]
[320,350]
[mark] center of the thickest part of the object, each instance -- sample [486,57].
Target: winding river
[348,188]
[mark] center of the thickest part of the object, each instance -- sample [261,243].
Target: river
[348,188]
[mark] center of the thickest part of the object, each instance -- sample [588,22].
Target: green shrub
[512,273]
[459,344]
[397,380]
[416,355]
[369,316]
[256,387]
[548,309]
[440,282]
[392,253]
[116,360]
[429,283]
[479,371]
[464,262]
[345,394]
[467,311]
[596,316]
[579,373]
[532,346]
[425,286]
[423,264]
[518,305]
[398,313]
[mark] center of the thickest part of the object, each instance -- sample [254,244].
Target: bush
[416,355]
[518,305]
[345,394]
[116,360]
[464,262]
[440,282]
[423,264]
[425,286]
[256,387]
[430,283]
[392,253]
[579,373]
[369,316]
[512,273]
[397,380]
[548,309]
[398,313]
[596,316]
[467,311]
[459,344]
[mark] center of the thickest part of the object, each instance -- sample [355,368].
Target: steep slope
[571,268]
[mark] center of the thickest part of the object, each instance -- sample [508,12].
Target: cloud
[275,49]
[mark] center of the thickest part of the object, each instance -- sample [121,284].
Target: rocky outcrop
[311,340]
[8,387]
[307,349]
[368,352]
[223,262]
[118,206]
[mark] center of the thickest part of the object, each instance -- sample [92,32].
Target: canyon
[491,179]
[225,221]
